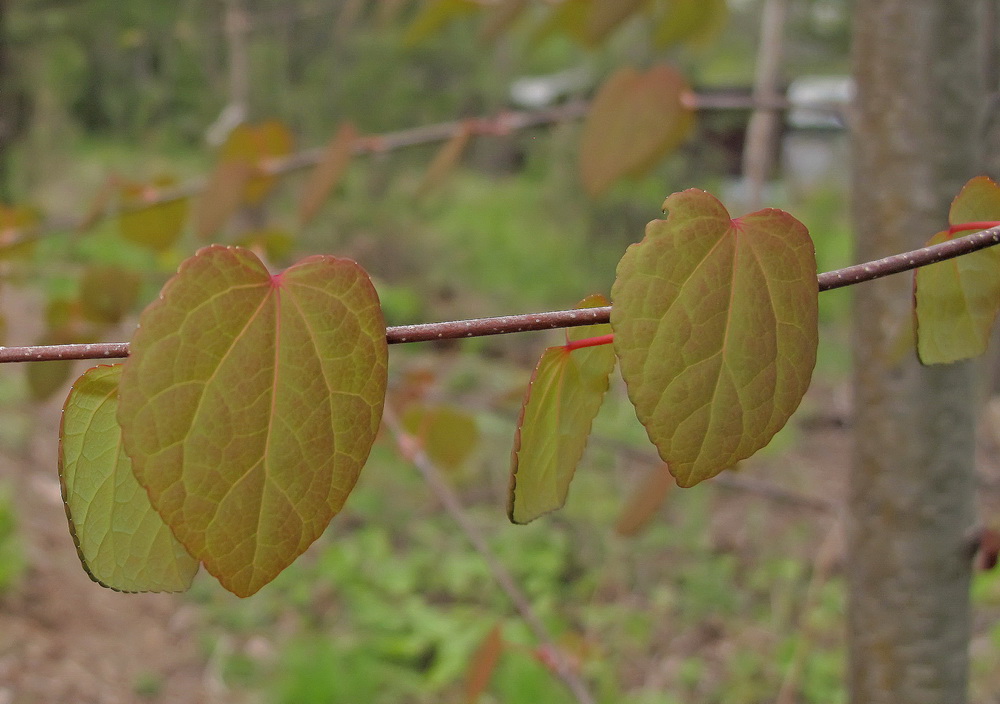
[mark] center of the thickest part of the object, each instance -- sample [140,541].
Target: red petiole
[977,225]
[589,342]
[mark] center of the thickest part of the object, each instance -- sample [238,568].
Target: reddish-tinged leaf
[956,301]
[108,293]
[146,221]
[122,542]
[634,121]
[690,21]
[249,405]
[715,323]
[328,172]
[222,195]
[447,435]
[445,160]
[645,501]
[483,664]
[562,399]
[606,15]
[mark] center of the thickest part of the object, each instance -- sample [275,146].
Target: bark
[915,134]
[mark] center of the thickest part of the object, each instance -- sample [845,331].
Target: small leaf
[645,501]
[108,293]
[447,435]
[483,664]
[222,195]
[957,300]
[606,15]
[146,220]
[444,161]
[562,399]
[435,14]
[328,172]
[715,323]
[122,542]
[690,22]
[18,231]
[249,404]
[634,121]
[256,145]
[568,17]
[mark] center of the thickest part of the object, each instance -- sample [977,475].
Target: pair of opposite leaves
[250,401]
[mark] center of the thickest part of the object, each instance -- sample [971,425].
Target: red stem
[976,225]
[590,342]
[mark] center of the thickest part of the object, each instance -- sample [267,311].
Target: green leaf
[250,402]
[634,121]
[956,301]
[562,399]
[690,21]
[715,324]
[122,542]
[148,222]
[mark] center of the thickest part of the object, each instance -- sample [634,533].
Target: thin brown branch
[506,324]
[411,450]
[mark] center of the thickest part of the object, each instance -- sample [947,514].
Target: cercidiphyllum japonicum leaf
[634,121]
[562,399]
[249,404]
[121,540]
[715,324]
[956,301]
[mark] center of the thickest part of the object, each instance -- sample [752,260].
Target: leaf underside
[715,323]
[560,404]
[250,402]
[956,301]
[121,540]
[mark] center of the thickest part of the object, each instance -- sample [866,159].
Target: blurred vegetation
[390,605]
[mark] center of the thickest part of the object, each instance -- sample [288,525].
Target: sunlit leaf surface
[957,300]
[715,324]
[563,397]
[122,542]
[634,120]
[249,405]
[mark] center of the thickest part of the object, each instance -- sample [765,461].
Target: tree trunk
[911,486]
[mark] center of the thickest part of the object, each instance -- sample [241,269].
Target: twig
[453,505]
[506,324]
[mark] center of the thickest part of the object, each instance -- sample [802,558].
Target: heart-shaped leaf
[634,121]
[562,399]
[122,542]
[715,324]
[249,404]
[957,301]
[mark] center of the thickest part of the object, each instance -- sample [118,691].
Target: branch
[506,324]
[411,450]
